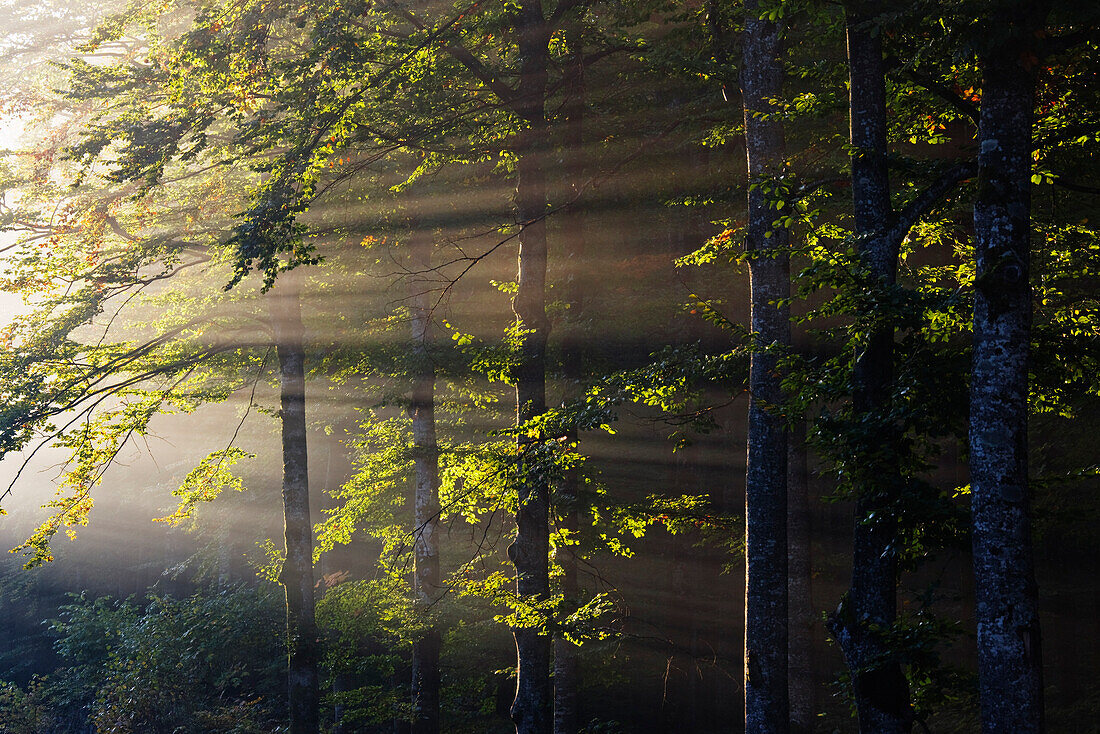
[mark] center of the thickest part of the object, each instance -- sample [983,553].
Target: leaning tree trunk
[566,668]
[766,692]
[799,584]
[426,578]
[297,574]
[880,688]
[531,710]
[1009,660]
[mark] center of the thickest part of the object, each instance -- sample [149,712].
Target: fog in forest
[261,254]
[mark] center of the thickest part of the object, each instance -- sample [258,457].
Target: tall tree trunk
[531,710]
[799,584]
[426,578]
[880,688]
[566,669]
[297,574]
[766,693]
[1009,660]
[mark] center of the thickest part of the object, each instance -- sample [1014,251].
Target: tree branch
[1059,44]
[1080,188]
[563,7]
[907,217]
[462,55]
[948,95]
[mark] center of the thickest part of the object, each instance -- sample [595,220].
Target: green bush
[210,662]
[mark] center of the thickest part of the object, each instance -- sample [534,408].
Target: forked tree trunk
[766,692]
[799,584]
[880,688]
[426,576]
[1009,659]
[566,669]
[297,575]
[531,710]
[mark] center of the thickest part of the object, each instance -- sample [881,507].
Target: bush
[211,662]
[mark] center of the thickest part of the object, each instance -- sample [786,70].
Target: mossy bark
[1009,655]
[766,634]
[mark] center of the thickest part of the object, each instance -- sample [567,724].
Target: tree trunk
[1009,660]
[426,578]
[880,688]
[297,574]
[799,585]
[531,710]
[766,693]
[340,684]
[566,669]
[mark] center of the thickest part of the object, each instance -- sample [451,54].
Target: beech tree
[766,245]
[532,710]
[427,585]
[881,690]
[297,575]
[567,491]
[531,28]
[1009,648]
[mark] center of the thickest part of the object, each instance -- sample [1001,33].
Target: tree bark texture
[426,575]
[297,574]
[766,692]
[1009,659]
[531,710]
[799,584]
[566,668]
[879,685]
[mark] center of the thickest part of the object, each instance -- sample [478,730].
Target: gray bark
[799,585]
[1009,659]
[531,709]
[879,685]
[297,574]
[766,692]
[426,576]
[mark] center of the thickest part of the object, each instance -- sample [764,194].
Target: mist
[398,367]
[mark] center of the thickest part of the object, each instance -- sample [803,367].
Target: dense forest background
[549,366]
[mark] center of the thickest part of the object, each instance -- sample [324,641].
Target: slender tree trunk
[1009,659]
[401,722]
[531,710]
[766,693]
[297,574]
[880,688]
[566,669]
[426,578]
[340,684]
[799,584]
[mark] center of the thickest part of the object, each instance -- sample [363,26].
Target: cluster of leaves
[367,624]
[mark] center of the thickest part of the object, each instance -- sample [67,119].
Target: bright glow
[11,130]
